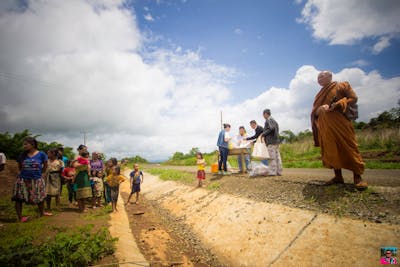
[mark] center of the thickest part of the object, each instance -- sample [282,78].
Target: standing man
[334,132]
[222,143]
[271,135]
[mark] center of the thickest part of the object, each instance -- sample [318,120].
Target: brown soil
[303,188]
[165,240]
[7,178]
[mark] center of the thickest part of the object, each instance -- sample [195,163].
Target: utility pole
[84,137]
[222,127]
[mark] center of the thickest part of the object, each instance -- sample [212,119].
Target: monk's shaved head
[324,78]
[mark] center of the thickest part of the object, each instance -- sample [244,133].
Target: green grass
[382,165]
[172,175]
[380,149]
[214,186]
[44,242]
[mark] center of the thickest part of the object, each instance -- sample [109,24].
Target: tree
[178,156]
[193,151]
[11,145]
[288,136]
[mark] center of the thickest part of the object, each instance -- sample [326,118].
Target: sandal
[334,180]
[362,185]
[47,214]
[24,219]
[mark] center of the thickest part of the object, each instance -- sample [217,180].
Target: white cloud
[67,66]
[383,42]
[346,22]
[148,17]
[238,31]
[360,63]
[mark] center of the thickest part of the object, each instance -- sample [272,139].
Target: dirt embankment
[246,232]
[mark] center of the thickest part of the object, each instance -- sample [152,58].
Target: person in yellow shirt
[114,180]
[201,164]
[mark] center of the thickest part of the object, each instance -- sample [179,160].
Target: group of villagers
[332,115]
[88,179]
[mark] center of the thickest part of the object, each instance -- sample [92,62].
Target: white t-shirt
[227,135]
[3,158]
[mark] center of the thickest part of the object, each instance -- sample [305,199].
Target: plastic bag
[260,150]
[258,169]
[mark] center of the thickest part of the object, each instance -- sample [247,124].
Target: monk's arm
[348,96]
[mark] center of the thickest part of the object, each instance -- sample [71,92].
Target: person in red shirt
[68,175]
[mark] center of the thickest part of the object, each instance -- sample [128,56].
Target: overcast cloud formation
[73,66]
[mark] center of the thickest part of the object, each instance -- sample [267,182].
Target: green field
[379,148]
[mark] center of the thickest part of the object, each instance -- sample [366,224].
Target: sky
[149,77]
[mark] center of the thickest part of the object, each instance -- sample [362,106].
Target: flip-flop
[24,219]
[47,214]
[362,185]
[333,181]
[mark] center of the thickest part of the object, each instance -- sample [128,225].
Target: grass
[51,241]
[380,150]
[214,186]
[172,175]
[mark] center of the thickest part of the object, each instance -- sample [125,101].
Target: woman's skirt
[97,187]
[201,174]
[53,184]
[83,188]
[114,193]
[30,191]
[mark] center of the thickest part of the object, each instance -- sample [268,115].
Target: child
[113,181]
[53,177]
[69,176]
[136,178]
[201,163]
[97,188]
[83,159]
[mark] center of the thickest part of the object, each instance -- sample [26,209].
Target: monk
[333,132]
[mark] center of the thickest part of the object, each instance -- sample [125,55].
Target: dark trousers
[107,193]
[71,192]
[223,157]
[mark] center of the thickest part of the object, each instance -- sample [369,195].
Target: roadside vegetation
[65,239]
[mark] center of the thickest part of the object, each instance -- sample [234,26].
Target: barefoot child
[201,164]
[69,176]
[136,178]
[113,181]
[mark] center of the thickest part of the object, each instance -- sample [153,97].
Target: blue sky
[262,40]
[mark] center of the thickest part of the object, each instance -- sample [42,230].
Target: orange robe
[333,132]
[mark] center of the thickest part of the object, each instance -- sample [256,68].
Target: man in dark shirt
[259,130]
[271,135]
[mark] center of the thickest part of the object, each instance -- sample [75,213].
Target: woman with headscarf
[334,132]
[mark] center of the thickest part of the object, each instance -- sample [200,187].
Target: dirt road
[303,188]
